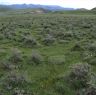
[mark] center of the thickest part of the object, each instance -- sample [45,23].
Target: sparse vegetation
[38,49]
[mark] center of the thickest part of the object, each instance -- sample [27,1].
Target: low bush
[29,42]
[13,80]
[79,75]
[7,65]
[88,91]
[86,56]
[15,56]
[77,47]
[64,35]
[18,91]
[48,40]
[36,58]
[89,57]
[92,61]
[91,47]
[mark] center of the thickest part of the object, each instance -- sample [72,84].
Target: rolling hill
[47,7]
[4,8]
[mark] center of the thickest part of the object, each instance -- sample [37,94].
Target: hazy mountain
[47,7]
[94,9]
[4,8]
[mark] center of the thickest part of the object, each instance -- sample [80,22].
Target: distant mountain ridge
[94,9]
[4,8]
[47,7]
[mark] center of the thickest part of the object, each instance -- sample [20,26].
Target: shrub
[64,35]
[89,58]
[13,80]
[59,35]
[1,37]
[68,35]
[7,65]
[88,91]
[77,47]
[36,58]
[91,91]
[15,55]
[92,61]
[30,41]
[18,91]
[48,40]
[92,47]
[86,55]
[79,75]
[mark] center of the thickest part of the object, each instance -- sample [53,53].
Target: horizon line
[43,4]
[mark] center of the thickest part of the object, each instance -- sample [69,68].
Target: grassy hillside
[47,54]
[24,12]
[78,12]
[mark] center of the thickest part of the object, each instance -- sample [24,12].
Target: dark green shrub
[68,35]
[91,47]
[91,91]
[64,35]
[89,57]
[79,75]
[15,56]
[48,40]
[59,35]
[1,37]
[18,91]
[36,58]
[92,61]
[30,42]
[86,55]
[7,65]
[88,91]
[13,80]
[77,47]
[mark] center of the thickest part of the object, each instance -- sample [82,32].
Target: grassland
[47,53]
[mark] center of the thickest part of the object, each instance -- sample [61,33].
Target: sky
[88,4]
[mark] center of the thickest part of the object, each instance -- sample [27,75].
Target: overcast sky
[65,3]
